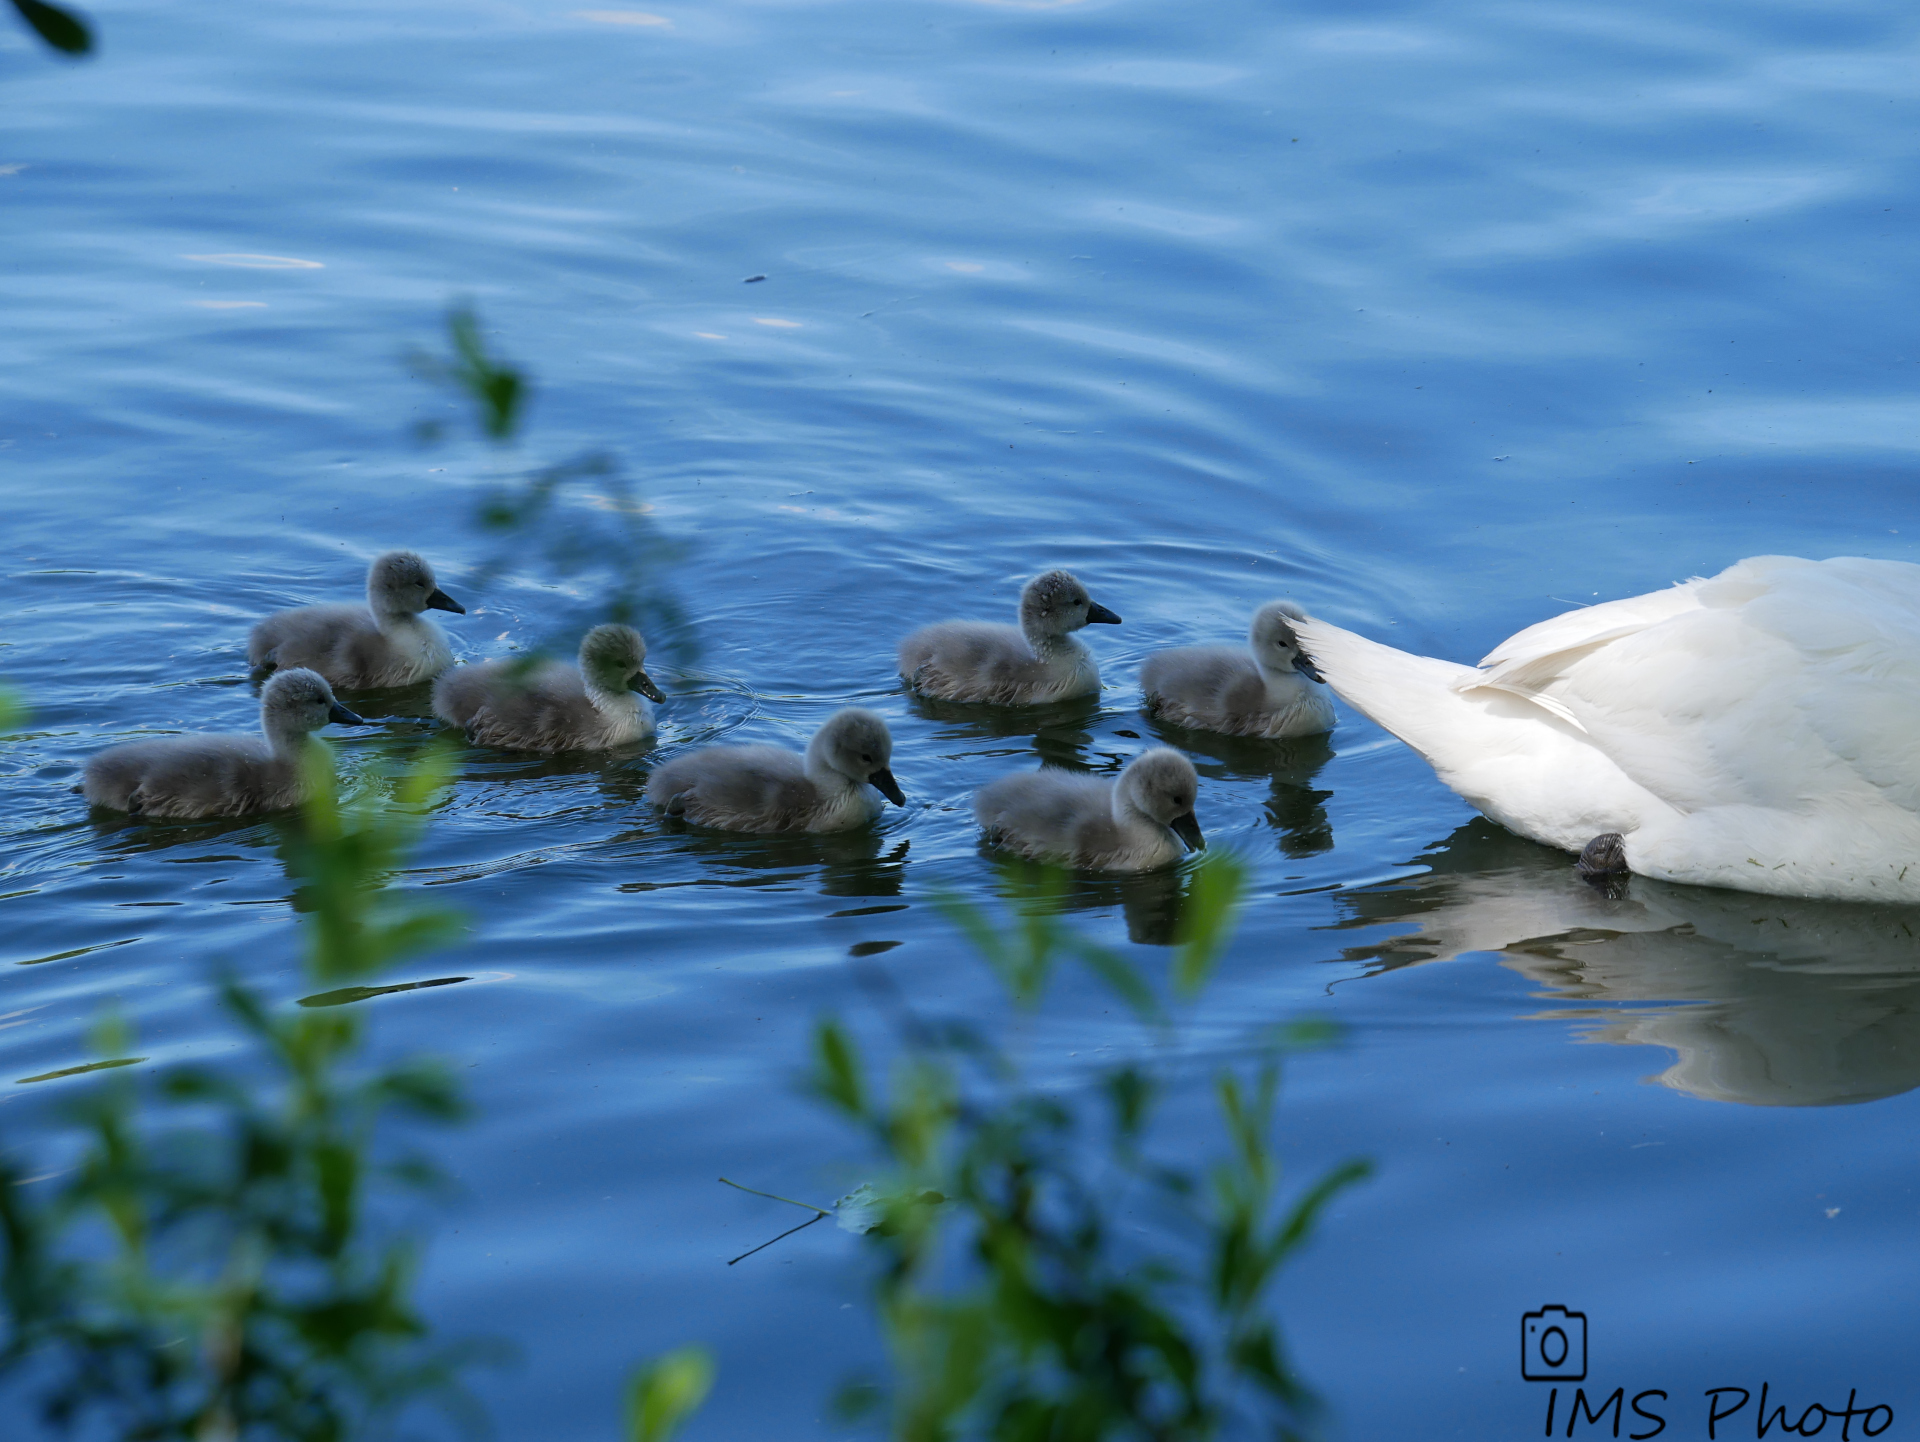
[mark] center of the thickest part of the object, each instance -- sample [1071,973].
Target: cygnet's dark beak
[643,683]
[441,601]
[882,780]
[1188,830]
[341,716]
[1303,663]
[1098,614]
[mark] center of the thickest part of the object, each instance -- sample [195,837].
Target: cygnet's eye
[866,758]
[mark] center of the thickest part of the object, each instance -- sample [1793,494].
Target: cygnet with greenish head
[387,642]
[1038,660]
[554,706]
[1142,819]
[182,777]
[837,785]
[1272,689]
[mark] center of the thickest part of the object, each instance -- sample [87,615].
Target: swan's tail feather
[1414,697]
[1546,703]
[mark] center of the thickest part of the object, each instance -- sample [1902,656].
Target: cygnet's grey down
[386,642]
[837,785]
[1272,689]
[182,777]
[1142,819]
[556,707]
[1038,660]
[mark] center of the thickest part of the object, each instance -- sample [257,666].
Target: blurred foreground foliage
[579,519]
[239,1270]
[1015,1303]
[220,1260]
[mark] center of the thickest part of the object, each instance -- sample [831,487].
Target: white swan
[1755,730]
[556,707]
[387,642]
[1270,690]
[1036,661]
[181,777]
[837,785]
[1143,819]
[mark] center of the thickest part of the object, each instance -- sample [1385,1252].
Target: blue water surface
[1438,319]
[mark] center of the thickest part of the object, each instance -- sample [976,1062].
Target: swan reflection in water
[1774,1001]
[1294,808]
[1149,901]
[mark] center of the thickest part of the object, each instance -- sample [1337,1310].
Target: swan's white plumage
[1752,730]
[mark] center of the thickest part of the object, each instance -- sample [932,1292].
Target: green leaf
[1122,980]
[667,1391]
[1131,1092]
[62,29]
[498,389]
[1206,919]
[1300,1221]
[836,1071]
[1310,1033]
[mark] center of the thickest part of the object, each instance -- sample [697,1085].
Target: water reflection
[1774,1001]
[347,995]
[1293,808]
[1062,731]
[1149,900]
[120,835]
[857,863]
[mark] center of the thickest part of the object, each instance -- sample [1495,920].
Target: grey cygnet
[1038,660]
[555,706]
[1272,689]
[183,777]
[386,642]
[836,786]
[1141,820]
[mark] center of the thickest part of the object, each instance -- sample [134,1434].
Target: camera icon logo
[1553,1345]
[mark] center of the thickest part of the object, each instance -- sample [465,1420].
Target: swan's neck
[1127,812]
[286,739]
[616,706]
[1052,645]
[391,615]
[1281,680]
[831,782]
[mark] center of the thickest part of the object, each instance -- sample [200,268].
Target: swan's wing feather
[971,661]
[1549,704]
[316,637]
[544,709]
[1040,813]
[1855,625]
[738,788]
[1791,687]
[1533,658]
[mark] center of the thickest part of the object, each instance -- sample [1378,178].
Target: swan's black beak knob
[441,601]
[341,716]
[643,683]
[1098,614]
